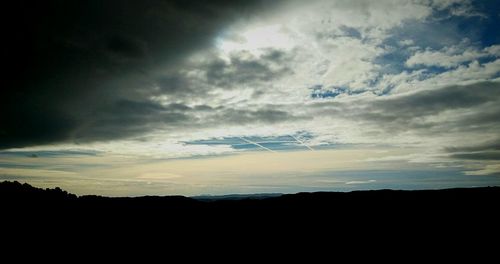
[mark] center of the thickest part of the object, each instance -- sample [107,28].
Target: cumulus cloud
[453,56]
[244,68]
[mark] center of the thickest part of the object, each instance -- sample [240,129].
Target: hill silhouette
[15,196]
[449,210]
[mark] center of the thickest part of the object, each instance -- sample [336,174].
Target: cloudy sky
[214,97]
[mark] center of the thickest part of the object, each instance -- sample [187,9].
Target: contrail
[302,142]
[257,144]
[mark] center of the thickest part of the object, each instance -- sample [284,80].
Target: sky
[128,98]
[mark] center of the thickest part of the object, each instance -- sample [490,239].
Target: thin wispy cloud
[257,144]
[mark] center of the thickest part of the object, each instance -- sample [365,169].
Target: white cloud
[360,182]
[406,42]
[450,57]
[464,74]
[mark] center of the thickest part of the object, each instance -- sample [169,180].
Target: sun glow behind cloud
[255,39]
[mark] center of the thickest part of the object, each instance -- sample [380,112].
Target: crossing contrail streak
[257,144]
[302,142]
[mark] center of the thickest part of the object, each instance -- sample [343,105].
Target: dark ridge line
[17,188]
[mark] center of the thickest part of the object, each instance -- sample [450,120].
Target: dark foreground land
[381,205]
[459,217]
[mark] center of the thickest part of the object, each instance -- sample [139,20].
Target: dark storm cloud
[432,102]
[73,65]
[453,109]
[241,69]
[414,112]
[238,116]
[410,112]
[491,145]
[128,118]
[126,47]
[245,68]
[147,116]
[174,84]
[478,156]
[489,150]
[33,125]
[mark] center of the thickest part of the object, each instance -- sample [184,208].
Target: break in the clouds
[415,84]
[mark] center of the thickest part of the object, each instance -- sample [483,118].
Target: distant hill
[15,193]
[257,196]
[472,208]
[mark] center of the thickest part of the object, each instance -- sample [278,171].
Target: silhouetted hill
[444,211]
[236,196]
[15,194]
